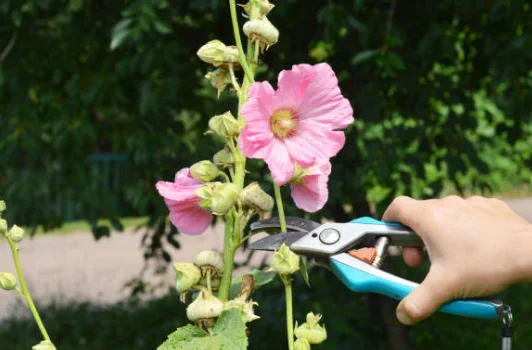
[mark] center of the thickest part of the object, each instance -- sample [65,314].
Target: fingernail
[403,317]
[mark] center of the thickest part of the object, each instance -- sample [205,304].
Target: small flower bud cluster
[7,281]
[310,332]
[205,307]
[218,197]
[208,265]
[225,125]
[218,54]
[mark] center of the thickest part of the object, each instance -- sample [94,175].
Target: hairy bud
[187,276]
[204,171]
[284,261]
[245,307]
[311,330]
[210,259]
[44,345]
[218,54]
[7,281]
[225,125]
[223,158]
[301,344]
[262,30]
[16,234]
[254,197]
[206,306]
[265,8]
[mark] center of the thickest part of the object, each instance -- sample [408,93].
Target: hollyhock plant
[309,190]
[298,123]
[180,198]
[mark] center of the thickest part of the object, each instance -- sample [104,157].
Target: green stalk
[280,208]
[236,32]
[25,292]
[228,258]
[289,315]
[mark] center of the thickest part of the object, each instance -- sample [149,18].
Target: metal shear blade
[274,242]
[292,224]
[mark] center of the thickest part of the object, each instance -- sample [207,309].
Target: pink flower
[310,192]
[185,212]
[298,123]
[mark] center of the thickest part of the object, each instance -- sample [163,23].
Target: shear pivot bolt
[329,236]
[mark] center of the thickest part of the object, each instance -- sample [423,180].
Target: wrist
[523,256]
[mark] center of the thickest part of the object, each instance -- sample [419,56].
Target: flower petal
[260,103]
[176,192]
[313,195]
[323,101]
[312,142]
[279,162]
[292,86]
[188,217]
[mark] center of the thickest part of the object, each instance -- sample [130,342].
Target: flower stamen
[282,122]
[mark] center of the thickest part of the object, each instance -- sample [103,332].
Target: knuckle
[453,199]
[476,199]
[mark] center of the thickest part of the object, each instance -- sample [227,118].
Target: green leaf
[364,56]
[162,28]
[260,278]
[303,268]
[118,39]
[183,334]
[229,332]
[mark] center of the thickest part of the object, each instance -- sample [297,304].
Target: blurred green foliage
[442,93]
[352,321]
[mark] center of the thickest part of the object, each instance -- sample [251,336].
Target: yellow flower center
[282,122]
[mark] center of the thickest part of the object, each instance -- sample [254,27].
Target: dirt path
[75,267]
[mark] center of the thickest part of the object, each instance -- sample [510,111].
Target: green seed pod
[3,206]
[204,171]
[3,226]
[206,306]
[218,54]
[187,276]
[7,281]
[311,330]
[263,30]
[16,234]
[284,261]
[254,197]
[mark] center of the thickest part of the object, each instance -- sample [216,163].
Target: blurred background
[101,99]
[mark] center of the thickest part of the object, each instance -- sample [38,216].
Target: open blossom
[310,191]
[185,211]
[300,122]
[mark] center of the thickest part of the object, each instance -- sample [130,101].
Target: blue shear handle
[361,277]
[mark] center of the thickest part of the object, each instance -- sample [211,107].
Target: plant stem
[233,79]
[228,257]
[280,208]
[209,281]
[289,315]
[236,32]
[25,292]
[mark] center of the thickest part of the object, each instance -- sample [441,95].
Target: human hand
[477,247]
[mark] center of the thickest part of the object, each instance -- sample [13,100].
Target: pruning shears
[356,250]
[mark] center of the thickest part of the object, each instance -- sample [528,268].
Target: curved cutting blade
[292,223]
[274,242]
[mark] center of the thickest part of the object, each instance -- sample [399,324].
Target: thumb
[423,301]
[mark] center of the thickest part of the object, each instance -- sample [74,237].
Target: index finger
[405,210]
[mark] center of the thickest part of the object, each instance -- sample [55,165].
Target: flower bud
[210,259]
[301,344]
[284,261]
[245,307]
[218,197]
[311,330]
[187,276]
[3,206]
[223,158]
[217,53]
[219,79]
[205,306]
[16,234]
[225,125]
[3,226]
[263,30]
[265,8]
[254,197]
[204,171]
[7,281]
[44,345]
